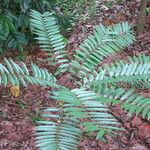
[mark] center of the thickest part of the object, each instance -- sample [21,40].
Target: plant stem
[142,16]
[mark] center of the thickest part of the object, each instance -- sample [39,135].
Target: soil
[18,116]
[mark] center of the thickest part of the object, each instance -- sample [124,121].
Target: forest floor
[18,116]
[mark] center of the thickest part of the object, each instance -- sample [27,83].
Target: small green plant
[97,85]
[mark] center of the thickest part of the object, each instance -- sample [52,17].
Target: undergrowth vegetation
[14,21]
[83,109]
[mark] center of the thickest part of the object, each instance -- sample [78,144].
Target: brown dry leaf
[108,22]
[15,91]
[120,16]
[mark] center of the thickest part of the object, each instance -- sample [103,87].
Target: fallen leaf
[15,91]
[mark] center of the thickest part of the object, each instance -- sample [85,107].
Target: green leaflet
[99,45]
[45,26]
[15,74]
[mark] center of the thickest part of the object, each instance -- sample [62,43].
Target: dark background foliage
[14,20]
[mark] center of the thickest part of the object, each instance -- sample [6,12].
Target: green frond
[140,59]
[49,38]
[81,104]
[14,74]
[135,71]
[128,99]
[99,45]
[58,132]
